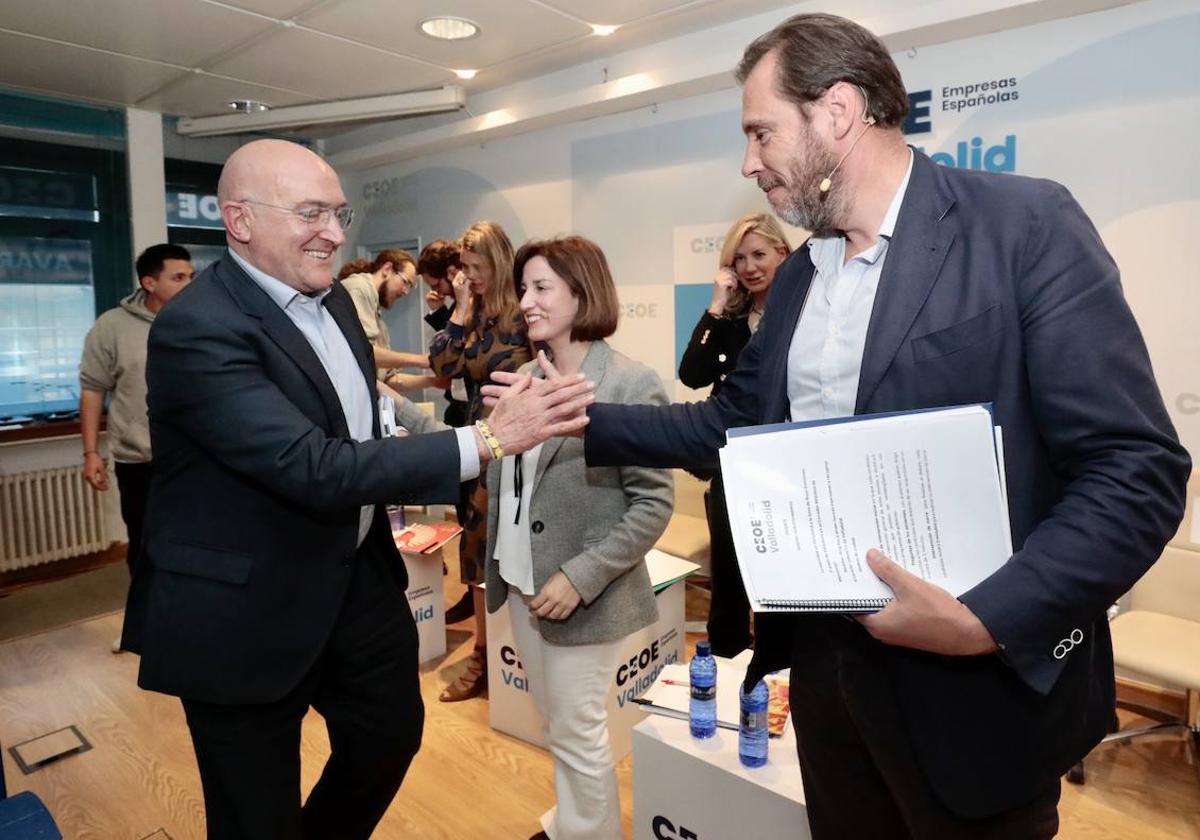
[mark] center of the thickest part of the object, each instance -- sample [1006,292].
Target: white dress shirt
[825,356]
[316,324]
[514,547]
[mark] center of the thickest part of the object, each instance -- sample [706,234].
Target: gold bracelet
[490,439]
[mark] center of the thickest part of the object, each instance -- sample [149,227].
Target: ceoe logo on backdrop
[975,152]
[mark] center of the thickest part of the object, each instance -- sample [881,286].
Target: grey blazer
[594,523]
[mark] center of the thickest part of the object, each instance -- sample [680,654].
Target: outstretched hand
[528,411]
[923,616]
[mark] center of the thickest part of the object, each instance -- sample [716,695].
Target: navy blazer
[996,288]
[253,513]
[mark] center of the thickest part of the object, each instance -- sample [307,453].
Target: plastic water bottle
[396,518]
[752,729]
[702,709]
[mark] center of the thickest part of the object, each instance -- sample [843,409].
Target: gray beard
[814,215]
[806,206]
[817,212]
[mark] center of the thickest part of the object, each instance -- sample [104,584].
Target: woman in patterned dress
[486,333]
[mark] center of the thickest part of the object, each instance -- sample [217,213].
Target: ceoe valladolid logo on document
[762,527]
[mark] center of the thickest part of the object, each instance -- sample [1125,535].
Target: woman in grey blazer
[567,543]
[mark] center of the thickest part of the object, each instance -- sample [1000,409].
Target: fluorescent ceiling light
[465,74]
[248,106]
[449,28]
[448,98]
[603,29]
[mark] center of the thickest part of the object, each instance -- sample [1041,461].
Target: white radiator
[49,515]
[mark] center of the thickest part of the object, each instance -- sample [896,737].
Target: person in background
[114,362]
[374,286]
[485,333]
[754,247]
[576,584]
[437,265]
[362,265]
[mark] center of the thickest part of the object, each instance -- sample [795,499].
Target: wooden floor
[467,782]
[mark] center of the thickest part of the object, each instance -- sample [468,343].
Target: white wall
[1107,104]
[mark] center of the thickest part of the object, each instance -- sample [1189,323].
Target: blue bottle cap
[703,648]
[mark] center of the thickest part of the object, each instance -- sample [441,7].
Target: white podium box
[685,788]
[427,600]
[643,654]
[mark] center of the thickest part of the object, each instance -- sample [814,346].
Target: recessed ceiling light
[248,106]
[465,74]
[603,29]
[449,28]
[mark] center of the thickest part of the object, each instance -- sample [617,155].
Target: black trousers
[133,483]
[861,777]
[729,609]
[365,684]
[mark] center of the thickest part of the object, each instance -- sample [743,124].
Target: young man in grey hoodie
[114,362]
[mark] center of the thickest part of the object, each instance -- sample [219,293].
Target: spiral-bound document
[807,500]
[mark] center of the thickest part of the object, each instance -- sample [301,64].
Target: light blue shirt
[318,327]
[825,356]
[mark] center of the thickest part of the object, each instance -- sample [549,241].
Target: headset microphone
[868,121]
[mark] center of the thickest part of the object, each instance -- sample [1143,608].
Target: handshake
[527,411]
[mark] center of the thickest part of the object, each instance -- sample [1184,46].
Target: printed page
[807,503]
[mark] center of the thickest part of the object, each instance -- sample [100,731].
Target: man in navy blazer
[270,582]
[938,717]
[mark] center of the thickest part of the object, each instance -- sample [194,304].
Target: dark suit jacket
[713,351]
[995,288]
[252,522]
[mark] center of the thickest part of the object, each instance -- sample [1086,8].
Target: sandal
[471,682]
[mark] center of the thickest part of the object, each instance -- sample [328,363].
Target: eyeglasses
[313,216]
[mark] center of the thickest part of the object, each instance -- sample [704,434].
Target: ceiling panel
[618,11]
[285,65]
[78,72]
[279,9]
[178,31]
[661,27]
[200,95]
[328,67]
[510,28]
